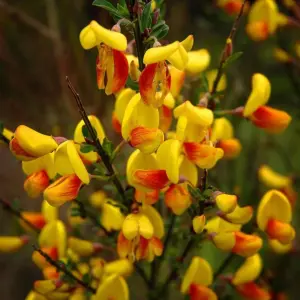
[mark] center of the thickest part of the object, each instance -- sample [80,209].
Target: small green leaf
[85,131]
[86,278]
[108,6]
[231,59]
[123,10]
[86,148]
[160,30]
[146,19]
[132,84]
[99,170]
[108,147]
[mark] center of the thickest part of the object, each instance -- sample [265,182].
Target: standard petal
[157,54]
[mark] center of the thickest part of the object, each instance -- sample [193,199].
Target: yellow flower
[111,215]
[54,235]
[113,287]
[12,243]
[35,296]
[198,61]
[49,212]
[94,34]
[140,126]
[218,225]
[279,248]
[111,61]
[199,223]
[274,215]
[177,80]
[67,161]
[248,271]
[36,183]
[143,172]
[262,19]
[260,94]
[272,179]
[29,144]
[197,278]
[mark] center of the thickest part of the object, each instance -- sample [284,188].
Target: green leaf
[132,84]
[86,278]
[108,6]
[108,146]
[99,170]
[232,58]
[86,148]
[85,131]
[146,19]
[160,30]
[123,10]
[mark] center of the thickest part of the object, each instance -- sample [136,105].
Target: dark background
[39,46]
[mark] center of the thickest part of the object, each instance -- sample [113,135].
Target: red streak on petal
[121,70]
[146,79]
[251,290]
[152,179]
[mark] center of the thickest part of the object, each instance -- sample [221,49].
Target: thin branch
[61,267]
[38,26]
[4,139]
[7,206]
[105,158]
[142,273]
[224,265]
[224,57]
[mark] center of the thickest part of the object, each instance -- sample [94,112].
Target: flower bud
[83,247]
[225,202]
[251,290]
[281,55]
[272,179]
[36,183]
[178,199]
[199,223]
[134,71]
[231,147]
[12,243]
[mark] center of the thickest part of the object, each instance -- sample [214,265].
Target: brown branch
[224,57]
[28,20]
[61,267]
[7,206]
[105,158]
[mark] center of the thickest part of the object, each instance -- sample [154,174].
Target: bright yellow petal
[188,43]
[272,179]
[188,170]
[240,215]
[122,267]
[146,228]
[197,115]
[199,223]
[222,130]
[211,76]
[260,94]
[179,58]
[279,248]
[199,272]
[168,155]
[49,212]
[111,216]
[122,101]
[113,39]
[157,54]
[130,227]
[112,287]
[249,270]
[138,114]
[273,205]
[198,61]
[67,161]
[155,219]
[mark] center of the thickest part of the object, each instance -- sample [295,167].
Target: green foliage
[146,19]
[160,30]
[86,148]
[108,147]
[118,13]
[232,58]
[132,84]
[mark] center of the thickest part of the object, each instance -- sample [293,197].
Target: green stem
[224,265]
[105,158]
[139,45]
[61,267]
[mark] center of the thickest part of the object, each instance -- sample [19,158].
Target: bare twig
[105,158]
[7,206]
[61,267]
[223,59]
[28,20]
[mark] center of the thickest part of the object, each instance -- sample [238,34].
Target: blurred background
[39,46]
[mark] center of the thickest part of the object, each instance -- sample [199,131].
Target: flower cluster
[176,141]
